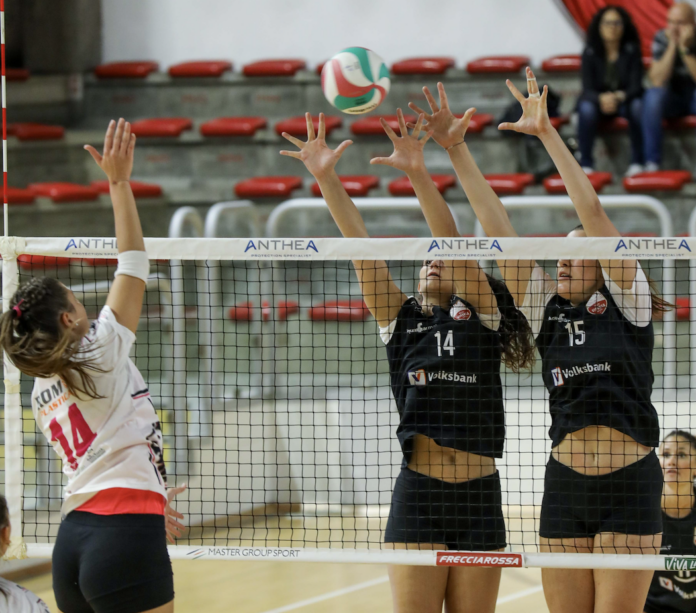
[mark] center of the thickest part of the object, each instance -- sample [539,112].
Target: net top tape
[364,248]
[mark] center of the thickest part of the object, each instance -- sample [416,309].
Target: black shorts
[464,516]
[111,564]
[626,501]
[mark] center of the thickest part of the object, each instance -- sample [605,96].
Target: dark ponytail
[516,340]
[37,344]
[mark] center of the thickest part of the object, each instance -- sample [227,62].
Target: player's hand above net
[173,526]
[315,153]
[116,160]
[535,116]
[448,129]
[408,148]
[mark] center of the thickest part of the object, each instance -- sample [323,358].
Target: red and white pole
[4,119]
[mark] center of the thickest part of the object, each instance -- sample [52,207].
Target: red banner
[648,15]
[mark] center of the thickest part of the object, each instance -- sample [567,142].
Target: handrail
[236,208]
[186,223]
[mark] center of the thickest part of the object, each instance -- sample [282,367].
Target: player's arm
[408,157]
[535,120]
[448,132]
[382,296]
[126,295]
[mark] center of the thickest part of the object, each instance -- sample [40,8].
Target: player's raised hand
[448,130]
[315,153]
[535,116]
[173,526]
[408,148]
[117,158]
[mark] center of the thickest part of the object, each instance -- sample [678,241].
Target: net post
[4,118]
[14,468]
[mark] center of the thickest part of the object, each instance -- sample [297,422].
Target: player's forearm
[437,214]
[342,208]
[129,232]
[487,206]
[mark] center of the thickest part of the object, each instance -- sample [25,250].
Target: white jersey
[15,599]
[110,442]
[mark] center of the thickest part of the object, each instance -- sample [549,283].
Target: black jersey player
[593,329]
[444,350]
[674,591]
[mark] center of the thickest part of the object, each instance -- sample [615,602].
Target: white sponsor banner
[371,248]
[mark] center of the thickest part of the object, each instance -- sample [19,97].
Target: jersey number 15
[577,334]
[82,435]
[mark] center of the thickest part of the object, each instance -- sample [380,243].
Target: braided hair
[37,344]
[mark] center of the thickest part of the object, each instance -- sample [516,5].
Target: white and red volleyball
[355,80]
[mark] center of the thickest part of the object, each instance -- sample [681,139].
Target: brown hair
[516,339]
[37,344]
[659,304]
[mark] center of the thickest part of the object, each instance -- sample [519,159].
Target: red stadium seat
[403,187]
[340,310]
[562,63]
[478,122]
[557,122]
[17,74]
[498,63]
[356,185]
[423,65]
[372,125]
[506,184]
[663,180]
[274,68]
[99,262]
[165,127]
[680,123]
[267,187]
[297,126]
[683,304]
[126,70]
[33,262]
[554,184]
[17,195]
[282,311]
[140,190]
[244,311]
[233,126]
[193,70]
[64,192]
[615,124]
[35,131]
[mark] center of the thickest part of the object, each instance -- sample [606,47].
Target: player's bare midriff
[598,450]
[447,464]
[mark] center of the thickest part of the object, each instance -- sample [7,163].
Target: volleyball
[355,80]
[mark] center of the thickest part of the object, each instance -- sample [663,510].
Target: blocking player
[444,349]
[593,329]
[92,404]
[674,591]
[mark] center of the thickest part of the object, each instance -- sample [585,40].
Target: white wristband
[133,264]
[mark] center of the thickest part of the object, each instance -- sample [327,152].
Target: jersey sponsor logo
[560,318]
[460,312]
[557,377]
[597,304]
[685,576]
[51,398]
[419,328]
[680,563]
[448,558]
[417,377]
[561,374]
[667,583]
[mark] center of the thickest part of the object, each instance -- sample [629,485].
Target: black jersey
[445,377]
[674,591]
[597,365]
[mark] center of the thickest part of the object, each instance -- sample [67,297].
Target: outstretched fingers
[125,139]
[292,154]
[343,146]
[515,92]
[532,85]
[402,122]
[383,161]
[431,100]
[444,103]
[109,137]
[295,141]
[419,126]
[427,137]
[96,156]
[322,127]
[310,127]
[387,128]
[118,136]
[420,111]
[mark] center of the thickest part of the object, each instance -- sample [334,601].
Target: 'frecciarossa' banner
[408,249]
[648,15]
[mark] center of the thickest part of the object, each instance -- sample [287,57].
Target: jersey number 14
[82,435]
[449,343]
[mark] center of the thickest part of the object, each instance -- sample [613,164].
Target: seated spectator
[612,76]
[673,79]
[13,598]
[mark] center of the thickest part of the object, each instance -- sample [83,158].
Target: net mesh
[272,386]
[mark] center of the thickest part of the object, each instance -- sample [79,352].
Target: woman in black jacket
[612,82]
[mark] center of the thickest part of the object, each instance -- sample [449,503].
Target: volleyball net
[272,386]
